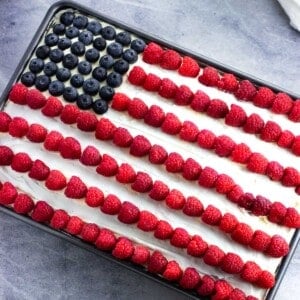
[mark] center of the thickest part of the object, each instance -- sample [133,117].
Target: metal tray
[203,61]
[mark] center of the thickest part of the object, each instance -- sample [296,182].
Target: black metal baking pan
[203,61]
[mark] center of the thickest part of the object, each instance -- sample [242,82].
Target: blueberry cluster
[76,43]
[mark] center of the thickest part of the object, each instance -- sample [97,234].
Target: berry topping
[111,205]
[56,181]
[23,204]
[189,67]
[106,240]
[170,60]
[124,249]
[209,77]
[108,166]
[21,162]
[74,225]
[42,212]
[129,213]
[126,174]
[75,189]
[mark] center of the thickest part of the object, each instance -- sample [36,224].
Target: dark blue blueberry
[115,49]
[50,68]
[138,45]
[106,61]
[67,18]
[99,73]
[100,106]
[108,33]
[70,61]
[64,43]
[36,65]
[70,94]
[72,32]
[84,67]
[94,27]
[59,29]
[42,52]
[85,37]
[80,22]
[84,101]
[130,55]
[106,92]
[56,88]
[56,55]
[63,74]
[42,82]
[28,79]
[51,39]
[99,43]
[121,66]
[92,55]
[114,79]
[78,48]
[77,80]
[91,86]
[123,38]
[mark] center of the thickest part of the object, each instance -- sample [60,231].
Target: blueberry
[59,29]
[94,27]
[42,82]
[70,61]
[121,66]
[28,79]
[106,92]
[84,67]
[51,39]
[63,74]
[84,101]
[78,48]
[64,43]
[42,51]
[92,55]
[100,106]
[67,18]
[138,45]
[36,65]
[80,22]
[130,55]
[56,88]
[106,61]
[114,79]
[99,73]
[77,80]
[56,55]
[50,68]
[99,43]
[85,37]
[91,86]
[70,94]
[115,49]
[108,33]
[123,38]
[72,32]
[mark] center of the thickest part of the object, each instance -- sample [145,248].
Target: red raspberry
[108,166]
[18,127]
[224,184]
[251,298]
[223,290]
[250,272]
[197,247]
[163,230]
[190,279]
[207,286]
[94,197]
[56,181]
[69,114]
[157,263]
[23,204]
[89,232]
[235,194]
[75,189]
[53,140]
[228,83]
[236,116]
[260,241]
[224,146]
[180,238]
[265,280]
[228,223]
[42,212]
[271,132]
[159,191]
[170,60]
[209,77]
[296,146]
[137,108]
[213,256]
[157,155]
[189,131]
[174,163]
[257,163]
[208,177]
[294,114]
[240,153]
[237,294]
[147,221]
[254,124]
[120,102]
[35,99]
[193,207]
[154,116]
[282,104]
[6,156]
[232,263]
[291,218]
[70,148]
[291,177]
[18,93]
[129,213]
[171,124]
[143,183]
[105,130]
[21,162]
[191,169]
[8,193]
[106,240]
[175,199]
[5,119]
[122,137]
[261,206]
[217,109]
[206,139]
[137,76]
[53,107]
[277,212]
[173,271]
[264,97]
[90,156]
[140,255]
[211,215]
[189,67]
[153,53]
[74,225]
[183,95]
[274,170]
[140,146]
[246,201]
[59,219]
[111,205]
[86,121]
[200,101]
[167,89]
[126,174]
[242,234]
[152,83]
[39,170]
[36,133]
[278,247]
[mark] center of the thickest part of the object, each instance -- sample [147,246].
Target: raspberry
[21,162]
[208,177]
[53,107]
[237,294]
[69,114]
[265,280]
[228,83]
[75,189]
[70,148]
[294,114]
[224,184]
[170,60]
[122,137]
[152,83]
[274,171]
[140,146]
[111,205]
[42,212]
[5,119]
[245,91]
[264,97]
[211,215]
[137,108]
[206,139]
[53,140]
[56,181]
[137,76]
[129,213]
[154,116]
[190,279]
[108,166]
[140,255]
[39,170]
[232,263]
[173,271]
[236,116]
[36,133]
[143,183]
[197,247]
[180,238]
[157,155]
[271,132]
[89,232]
[74,225]
[189,131]
[261,206]
[106,240]
[254,124]
[241,153]
[217,109]
[90,156]
[296,146]
[242,234]
[163,230]
[126,174]
[228,223]
[278,247]
[251,298]
[167,89]
[153,53]
[291,218]
[159,191]
[209,77]
[94,197]
[175,199]
[35,99]
[224,145]
[213,256]
[59,219]
[120,102]
[23,204]
[200,101]
[18,127]
[6,156]
[277,212]
[86,121]
[105,130]
[223,290]
[207,286]
[191,169]
[157,263]
[147,221]
[246,201]
[189,67]
[174,163]
[8,193]
[291,177]
[171,124]
[183,95]
[250,272]
[193,207]
[260,241]
[18,93]
[282,104]
[257,163]
[235,194]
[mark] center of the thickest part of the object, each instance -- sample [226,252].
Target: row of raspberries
[234,116]
[263,97]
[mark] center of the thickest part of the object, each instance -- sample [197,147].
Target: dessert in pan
[189,172]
